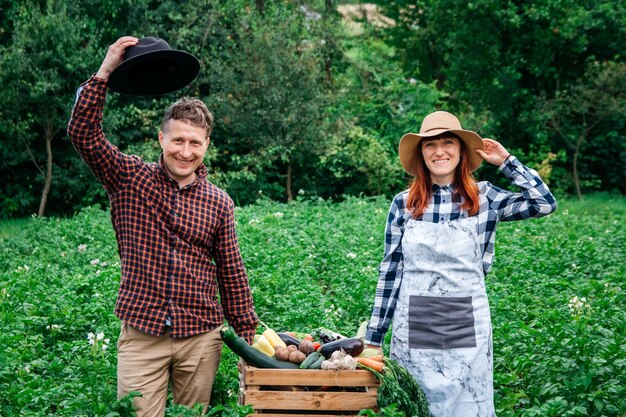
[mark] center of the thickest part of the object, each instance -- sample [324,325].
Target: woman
[439,245]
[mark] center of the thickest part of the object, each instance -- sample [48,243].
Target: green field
[556,297]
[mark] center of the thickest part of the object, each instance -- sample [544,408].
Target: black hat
[152,68]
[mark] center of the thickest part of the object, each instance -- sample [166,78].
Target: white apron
[442,324]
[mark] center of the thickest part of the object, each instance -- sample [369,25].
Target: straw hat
[435,124]
[152,68]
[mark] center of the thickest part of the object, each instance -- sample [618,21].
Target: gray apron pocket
[441,322]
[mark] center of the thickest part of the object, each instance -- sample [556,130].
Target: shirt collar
[436,188]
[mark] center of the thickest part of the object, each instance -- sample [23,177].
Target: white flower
[95,262]
[100,336]
[254,221]
[96,295]
[371,239]
[301,191]
[63,254]
[103,264]
[577,305]
[105,346]
[91,338]
[279,214]
[351,255]
[82,248]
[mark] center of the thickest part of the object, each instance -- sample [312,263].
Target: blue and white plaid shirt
[496,204]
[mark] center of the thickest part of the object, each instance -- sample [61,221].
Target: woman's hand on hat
[494,152]
[115,56]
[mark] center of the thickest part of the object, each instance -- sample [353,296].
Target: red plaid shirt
[176,245]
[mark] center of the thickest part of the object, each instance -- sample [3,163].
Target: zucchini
[252,356]
[310,360]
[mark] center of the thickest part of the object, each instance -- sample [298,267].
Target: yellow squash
[263,345]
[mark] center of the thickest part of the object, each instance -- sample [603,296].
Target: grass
[314,264]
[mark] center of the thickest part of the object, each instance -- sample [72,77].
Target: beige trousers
[147,363]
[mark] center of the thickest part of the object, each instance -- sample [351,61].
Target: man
[178,248]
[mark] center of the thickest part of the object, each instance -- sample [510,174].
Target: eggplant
[327,336]
[353,346]
[289,340]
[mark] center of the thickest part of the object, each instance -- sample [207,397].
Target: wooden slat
[262,414]
[309,377]
[302,400]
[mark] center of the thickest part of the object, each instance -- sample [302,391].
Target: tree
[577,113]
[267,88]
[502,57]
[36,72]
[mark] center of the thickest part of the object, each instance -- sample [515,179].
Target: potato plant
[555,292]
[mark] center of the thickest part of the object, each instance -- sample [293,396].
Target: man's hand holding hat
[115,56]
[147,67]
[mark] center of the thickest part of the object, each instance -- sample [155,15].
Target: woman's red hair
[420,191]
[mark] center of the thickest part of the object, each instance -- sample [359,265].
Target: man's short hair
[191,110]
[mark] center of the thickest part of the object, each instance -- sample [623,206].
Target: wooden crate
[306,392]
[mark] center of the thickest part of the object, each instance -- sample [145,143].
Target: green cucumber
[310,360]
[318,363]
[249,354]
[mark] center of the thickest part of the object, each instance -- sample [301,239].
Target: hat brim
[154,73]
[410,156]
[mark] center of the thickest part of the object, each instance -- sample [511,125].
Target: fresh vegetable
[398,387]
[289,339]
[310,360]
[306,347]
[369,352]
[318,363]
[339,361]
[362,330]
[371,363]
[352,346]
[316,345]
[273,338]
[282,354]
[327,336]
[252,356]
[263,345]
[297,357]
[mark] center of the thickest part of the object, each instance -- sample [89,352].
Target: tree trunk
[48,177]
[328,65]
[579,143]
[288,186]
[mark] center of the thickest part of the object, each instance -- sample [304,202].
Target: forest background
[311,97]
